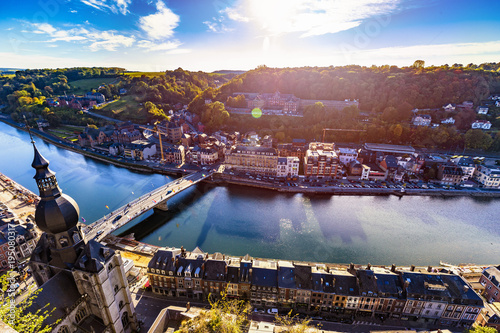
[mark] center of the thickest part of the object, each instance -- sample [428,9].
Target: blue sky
[155,35]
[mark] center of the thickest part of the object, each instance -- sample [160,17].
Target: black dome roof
[57,215]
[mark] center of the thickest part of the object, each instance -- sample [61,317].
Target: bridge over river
[155,199]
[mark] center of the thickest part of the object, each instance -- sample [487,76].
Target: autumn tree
[477,139]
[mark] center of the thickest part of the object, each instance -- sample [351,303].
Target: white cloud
[106,40]
[114,5]
[151,46]
[308,17]
[73,11]
[109,41]
[160,24]
[217,26]
[234,15]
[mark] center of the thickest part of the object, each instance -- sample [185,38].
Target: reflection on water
[239,220]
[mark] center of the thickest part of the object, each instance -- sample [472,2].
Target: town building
[287,167]
[450,174]
[346,155]
[467,164]
[482,109]
[481,124]
[321,160]
[174,131]
[264,283]
[139,150]
[488,176]
[98,97]
[490,279]
[421,120]
[174,154]
[440,298]
[258,160]
[449,120]
[26,237]
[82,279]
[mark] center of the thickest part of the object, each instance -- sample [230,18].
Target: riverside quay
[435,295]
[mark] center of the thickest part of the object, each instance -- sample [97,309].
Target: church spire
[56,212]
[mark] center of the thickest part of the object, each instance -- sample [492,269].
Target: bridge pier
[162,206]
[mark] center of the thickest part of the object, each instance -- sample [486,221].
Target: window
[63,329]
[121,305]
[125,320]
[110,267]
[116,288]
[82,313]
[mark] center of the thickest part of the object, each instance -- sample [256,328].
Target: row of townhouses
[437,296]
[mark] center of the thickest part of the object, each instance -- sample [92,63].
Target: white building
[347,155]
[482,109]
[488,176]
[481,124]
[448,121]
[288,166]
[467,164]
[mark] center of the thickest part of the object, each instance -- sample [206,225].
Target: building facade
[257,160]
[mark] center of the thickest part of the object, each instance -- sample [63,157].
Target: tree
[419,64]
[225,316]
[477,139]
[19,317]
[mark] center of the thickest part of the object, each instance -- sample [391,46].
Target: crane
[157,129]
[339,130]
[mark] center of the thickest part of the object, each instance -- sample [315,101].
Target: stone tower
[89,275]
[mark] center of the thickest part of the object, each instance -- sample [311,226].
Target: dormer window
[63,241]
[76,237]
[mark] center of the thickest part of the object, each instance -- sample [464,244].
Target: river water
[238,220]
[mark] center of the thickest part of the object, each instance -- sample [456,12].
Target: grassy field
[126,108]
[83,86]
[148,74]
[8,75]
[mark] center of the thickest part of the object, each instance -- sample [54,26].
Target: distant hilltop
[228,71]
[4,70]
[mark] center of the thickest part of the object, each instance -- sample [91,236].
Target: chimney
[393,268]
[369,266]
[351,266]
[429,269]
[412,268]
[466,288]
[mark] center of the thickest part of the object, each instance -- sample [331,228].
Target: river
[238,220]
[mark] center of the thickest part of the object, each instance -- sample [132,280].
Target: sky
[209,35]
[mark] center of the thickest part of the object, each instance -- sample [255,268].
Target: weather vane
[28,127]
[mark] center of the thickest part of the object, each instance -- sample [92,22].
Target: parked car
[272,311]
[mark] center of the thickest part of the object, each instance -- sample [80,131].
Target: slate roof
[60,292]
[265,273]
[388,283]
[303,276]
[459,289]
[215,269]
[345,283]
[286,274]
[164,260]
[367,282]
[493,273]
[93,257]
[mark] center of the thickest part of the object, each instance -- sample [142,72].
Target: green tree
[18,316]
[225,316]
[477,139]
[419,64]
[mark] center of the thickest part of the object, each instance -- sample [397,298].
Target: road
[123,215]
